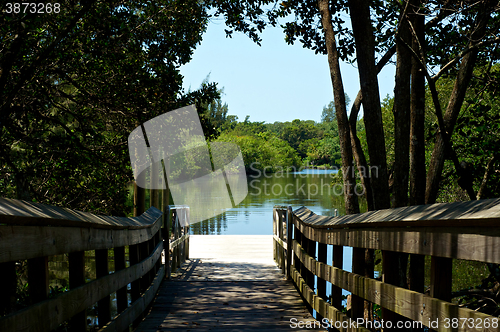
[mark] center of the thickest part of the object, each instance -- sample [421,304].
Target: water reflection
[314,189]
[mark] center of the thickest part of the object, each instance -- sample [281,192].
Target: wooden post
[289,240]
[8,285]
[298,237]
[102,270]
[139,200]
[417,276]
[174,237]
[76,260]
[358,267]
[390,275]
[120,264]
[187,242]
[168,235]
[133,256]
[143,254]
[275,245]
[311,251]
[133,250]
[338,261]
[441,277]
[321,292]
[38,279]
[155,181]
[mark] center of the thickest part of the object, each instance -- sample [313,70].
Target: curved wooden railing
[465,230]
[33,232]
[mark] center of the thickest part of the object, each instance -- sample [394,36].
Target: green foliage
[74,84]
[476,137]
[264,151]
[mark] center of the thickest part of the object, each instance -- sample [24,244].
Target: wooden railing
[465,230]
[32,232]
[178,221]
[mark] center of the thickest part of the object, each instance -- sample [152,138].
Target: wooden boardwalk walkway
[230,283]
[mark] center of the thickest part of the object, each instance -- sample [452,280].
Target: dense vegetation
[73,84]
[281,145]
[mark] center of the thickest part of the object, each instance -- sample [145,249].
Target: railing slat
[102,270]
[121,294]
[441,278]
[56,240]
[76,260]
[47,315]
[397,299]
[38,279]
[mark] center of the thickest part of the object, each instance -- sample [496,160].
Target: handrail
[420,230]
[32,231]
[178,228]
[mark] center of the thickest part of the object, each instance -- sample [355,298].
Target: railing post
[102,270]
[76,260]
[441,278]
[120,264]
[289,240]
[8,283]
[310,247]
[358,267]
[322,256]
[133,256]
[338,261]
[390,275]
[38,279]
[275,245]
[166,241]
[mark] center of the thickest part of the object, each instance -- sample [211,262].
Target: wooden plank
[280,242]
[321,290]
[177,242]
[38,279]
[25,242]
[102,270]
[334,316]
[289,237]
[338,261]
[8,286]
[358,267]
[19,212]
[121,322]
[469,243]
[230,282]
[76,260]
[410,304]
[47,315]
[441,278]
[121,294]
[480,213]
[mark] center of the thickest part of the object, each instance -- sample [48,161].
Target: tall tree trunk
[402,112]
[365,53]
[359,155]
[416,273]
[454,105]
[417,112]
[351,199]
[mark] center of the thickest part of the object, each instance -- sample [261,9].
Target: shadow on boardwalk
[228,286]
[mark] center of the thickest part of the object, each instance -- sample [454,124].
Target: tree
[74,84]
[378,30]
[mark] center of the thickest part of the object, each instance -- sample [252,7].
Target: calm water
[253,216]
[314,189]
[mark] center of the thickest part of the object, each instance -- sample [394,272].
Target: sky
[274,82]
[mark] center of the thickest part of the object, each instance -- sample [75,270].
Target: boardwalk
[230,283]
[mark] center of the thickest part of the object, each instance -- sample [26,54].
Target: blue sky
[274,82]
